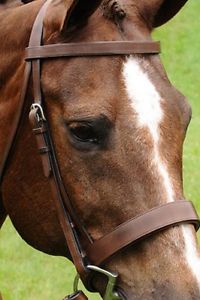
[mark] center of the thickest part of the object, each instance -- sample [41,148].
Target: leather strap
[68,220]
[140,227]
[77,296]
[51,170]
[35,39]
[92,49]
[40,132]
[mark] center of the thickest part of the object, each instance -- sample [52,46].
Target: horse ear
[167,10]
[63,15]
[158,12]
[79,13]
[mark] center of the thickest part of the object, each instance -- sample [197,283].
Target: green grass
[28,274]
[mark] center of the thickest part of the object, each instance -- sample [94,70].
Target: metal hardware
[75,283]
[110,294]
[39,112]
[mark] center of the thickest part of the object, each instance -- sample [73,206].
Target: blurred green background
[28,274]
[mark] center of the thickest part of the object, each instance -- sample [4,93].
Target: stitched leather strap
[92,49]
[140,227]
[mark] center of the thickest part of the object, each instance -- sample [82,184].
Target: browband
[92,49]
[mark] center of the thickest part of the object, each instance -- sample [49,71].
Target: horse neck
[13,43]
[15,28]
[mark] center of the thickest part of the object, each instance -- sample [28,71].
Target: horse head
[118,127]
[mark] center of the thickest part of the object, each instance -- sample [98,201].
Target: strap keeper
[39,130]
[43,150]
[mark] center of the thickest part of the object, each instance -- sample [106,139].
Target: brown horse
[118,126]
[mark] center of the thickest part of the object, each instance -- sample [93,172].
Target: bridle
[87,255]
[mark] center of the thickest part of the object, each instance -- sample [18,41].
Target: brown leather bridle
[94,253]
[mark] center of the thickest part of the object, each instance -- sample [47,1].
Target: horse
[117,126]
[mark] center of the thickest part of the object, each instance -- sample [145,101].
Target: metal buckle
[39,112]
[110,294]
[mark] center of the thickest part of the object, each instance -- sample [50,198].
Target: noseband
[88,255]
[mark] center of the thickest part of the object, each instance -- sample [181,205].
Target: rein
[88,258]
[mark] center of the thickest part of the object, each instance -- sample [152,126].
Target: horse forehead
[114,86]
[91,85]
[152,97]
[143,96]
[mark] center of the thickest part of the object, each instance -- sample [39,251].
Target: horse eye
[89,134]
[83,132]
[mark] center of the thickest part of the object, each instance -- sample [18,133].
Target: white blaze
[146,103]
[191,252]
